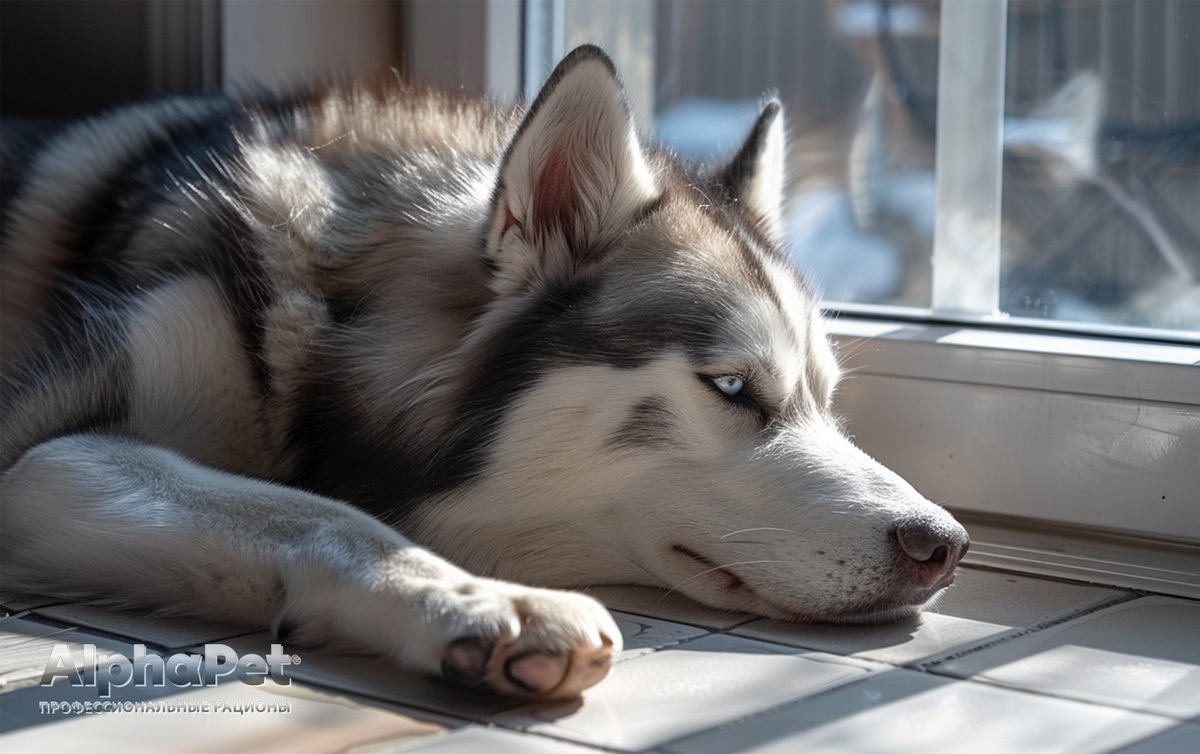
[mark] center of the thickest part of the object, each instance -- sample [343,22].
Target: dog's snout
[925,539]
[936,544]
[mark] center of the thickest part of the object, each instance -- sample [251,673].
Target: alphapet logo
[105,671]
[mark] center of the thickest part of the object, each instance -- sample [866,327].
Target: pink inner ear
[556,198]
[509,220]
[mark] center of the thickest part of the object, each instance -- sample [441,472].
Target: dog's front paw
[530,643]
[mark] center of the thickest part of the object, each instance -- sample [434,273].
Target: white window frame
[279,45]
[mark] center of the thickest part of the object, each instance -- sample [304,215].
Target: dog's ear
[572,179]
[755,175]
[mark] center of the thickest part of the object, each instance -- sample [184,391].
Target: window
[1066,137]
[998,201]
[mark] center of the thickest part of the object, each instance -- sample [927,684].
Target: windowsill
[1087,432]
[1081,554]
[1082,365]
[888,313]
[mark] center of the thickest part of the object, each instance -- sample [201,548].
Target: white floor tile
[981,606]
[26,648]
[1141,655]
[1182,739]
[477,739]
[906,712]
[685,689]
[1011,599]
[896,643]
[641,632]
[172,633]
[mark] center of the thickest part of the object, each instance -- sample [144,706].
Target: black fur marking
[287,631]
[755,268]
[108,220]
[387,475]
[60,355]
[192,157]
[650,425]
[756,252]
[22,140]
[745,163]
[230,256]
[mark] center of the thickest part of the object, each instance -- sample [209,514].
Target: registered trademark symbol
[295,659]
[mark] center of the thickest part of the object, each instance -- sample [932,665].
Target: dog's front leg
[96,517]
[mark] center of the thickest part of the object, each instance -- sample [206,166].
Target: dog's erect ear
[755,175]
[572,179]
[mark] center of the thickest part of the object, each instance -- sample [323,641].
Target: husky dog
[246,344]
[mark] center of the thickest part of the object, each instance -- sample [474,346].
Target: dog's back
[219,241]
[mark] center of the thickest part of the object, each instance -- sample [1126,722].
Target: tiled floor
[1008,663]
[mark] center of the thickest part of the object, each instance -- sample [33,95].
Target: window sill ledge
[1088,555]
[1133,370]
[1084,432]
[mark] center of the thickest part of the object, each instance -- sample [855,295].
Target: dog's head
[673,424]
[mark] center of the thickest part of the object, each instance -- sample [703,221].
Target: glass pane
[1101,204]
[859,82]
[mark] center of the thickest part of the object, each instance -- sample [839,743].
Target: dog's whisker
[760,528]
[650,573]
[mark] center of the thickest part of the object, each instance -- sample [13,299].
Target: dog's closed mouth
[735,582]
[736,587]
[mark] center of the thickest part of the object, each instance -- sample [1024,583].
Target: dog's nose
[936,544]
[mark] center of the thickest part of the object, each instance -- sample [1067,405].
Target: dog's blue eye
[729,384]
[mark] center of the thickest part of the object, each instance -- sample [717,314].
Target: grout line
[930,666]
[557,739]
[88,631]
[834,687]
[436,717]
[406,708]
[751,619]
